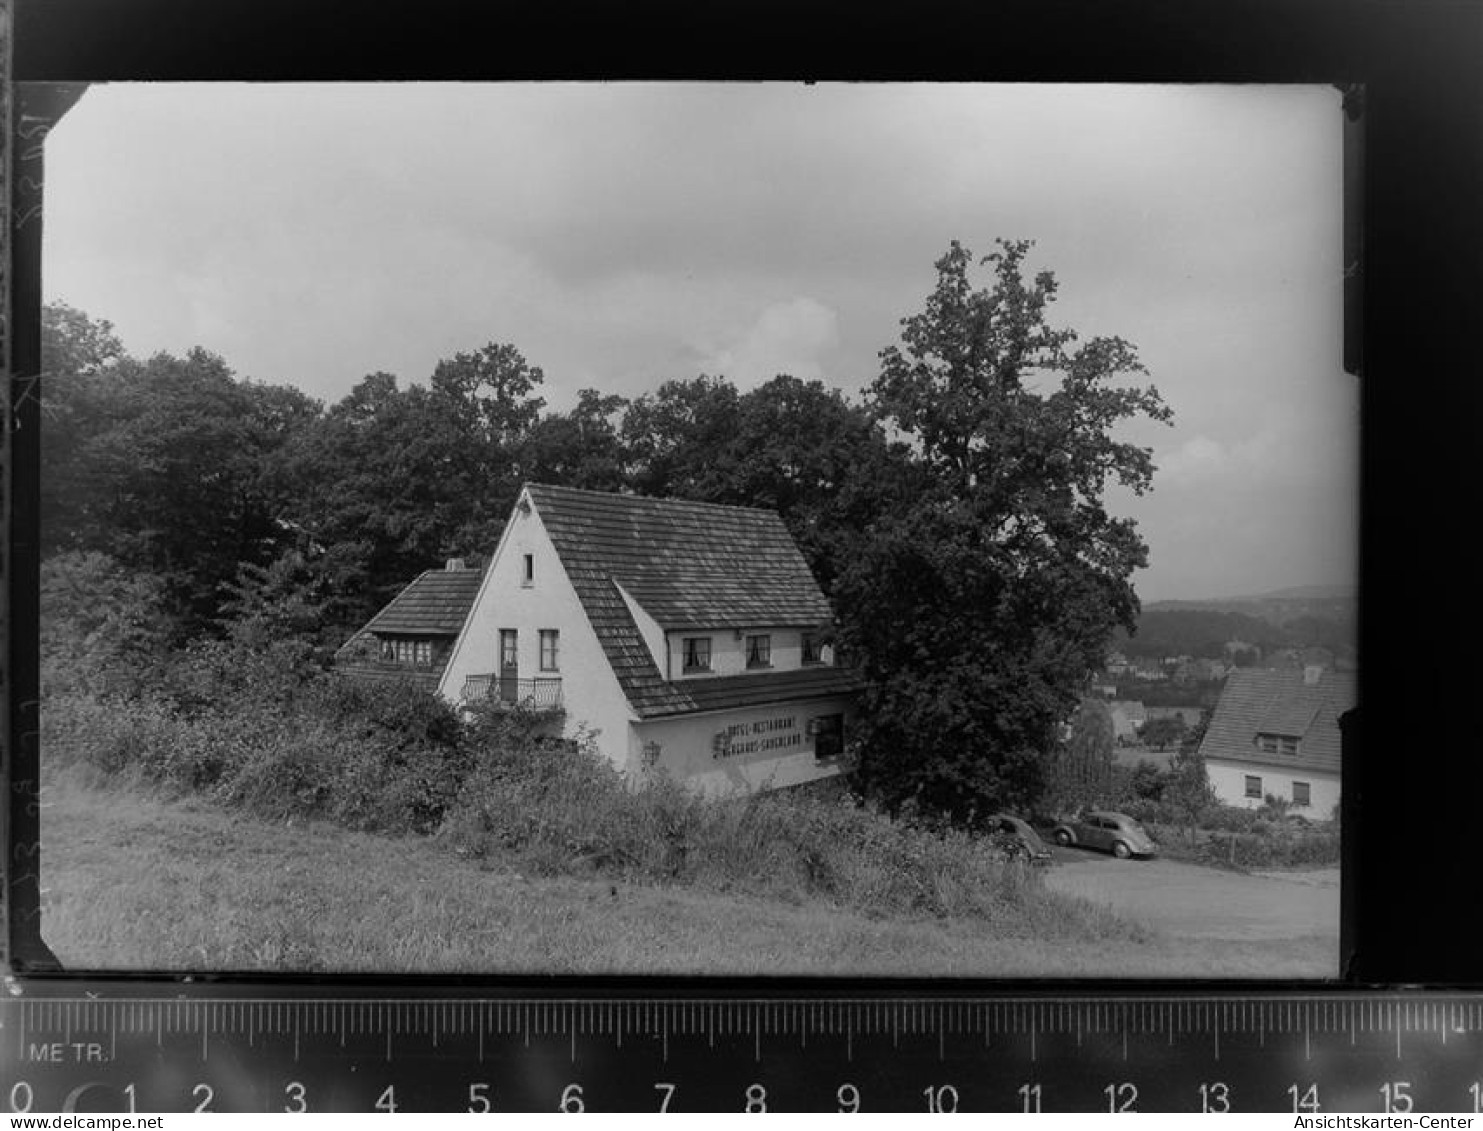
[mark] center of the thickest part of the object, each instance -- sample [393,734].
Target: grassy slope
[132,881]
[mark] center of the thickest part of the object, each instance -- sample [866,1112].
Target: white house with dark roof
[1275,732]
[687,637]
[412,637]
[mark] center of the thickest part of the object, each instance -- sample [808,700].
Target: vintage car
[1017,840]
[1116,833]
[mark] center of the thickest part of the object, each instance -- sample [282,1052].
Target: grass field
[134,881]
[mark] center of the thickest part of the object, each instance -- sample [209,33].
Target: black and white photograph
[884,530]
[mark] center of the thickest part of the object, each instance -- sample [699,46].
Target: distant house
[1275,732]
[412,637]
[1127,716]
[687,638]
[1190,716]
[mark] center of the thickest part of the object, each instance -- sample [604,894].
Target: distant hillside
[1316,615]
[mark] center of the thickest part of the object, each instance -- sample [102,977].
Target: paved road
[1193,902]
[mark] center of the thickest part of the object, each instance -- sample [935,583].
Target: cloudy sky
[623,234]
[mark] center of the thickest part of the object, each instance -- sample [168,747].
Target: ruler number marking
[297,1097]
[848,1097]
[205,1094]
[1306,1100]
[667,1092]
[756,1098]
[387,1100]
[21,1096]
[1121,1097]
[479,1099]
[1030,1096]
[941,1098]
[1396,1096]
[1215,1096]
[571,1100]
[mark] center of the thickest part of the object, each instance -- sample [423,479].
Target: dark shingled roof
[725,692]
[689,565]
[436,604]
[1265,701]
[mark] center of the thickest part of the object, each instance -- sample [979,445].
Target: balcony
[541,693]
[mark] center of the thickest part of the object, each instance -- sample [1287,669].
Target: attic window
[697,653]
[528,570]
[1277,744]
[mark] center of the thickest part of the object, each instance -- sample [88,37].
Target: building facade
[684,638]
[1275,733]
[413,636]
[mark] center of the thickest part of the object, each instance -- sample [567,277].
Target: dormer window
[697,654]
[759,651]
[1277,744]
[528,570]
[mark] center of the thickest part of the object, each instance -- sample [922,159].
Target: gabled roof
[1279,701]
[435,604]
[690,566]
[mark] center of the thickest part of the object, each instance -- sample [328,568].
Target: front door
[509,665]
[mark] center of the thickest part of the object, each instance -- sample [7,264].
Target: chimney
[1312,673]
[453,565]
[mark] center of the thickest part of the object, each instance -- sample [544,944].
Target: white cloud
[787,337]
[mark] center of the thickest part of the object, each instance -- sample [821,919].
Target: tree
[1162,731]
[416,475]
[160,464]
[581,448]
[977,606]
[679,439]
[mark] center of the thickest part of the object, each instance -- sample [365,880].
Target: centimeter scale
[122,1047]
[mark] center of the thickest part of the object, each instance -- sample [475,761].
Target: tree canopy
[977,607]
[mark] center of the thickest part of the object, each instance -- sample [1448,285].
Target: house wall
[769,746]
[729,650]
[1228,779]
[590,691]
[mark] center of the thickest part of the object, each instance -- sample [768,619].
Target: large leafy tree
[977,607]
[581,448]
[160,463]
[413,475]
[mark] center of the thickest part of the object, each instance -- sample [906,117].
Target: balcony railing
[541,693]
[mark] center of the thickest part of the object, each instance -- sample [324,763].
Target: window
[813,648]
[1301,793]
[828,736]
[509,644]
[418,653]
[1277,744]
[528,568]
[759,651]
[549,639]
[1253,786]
[697,653]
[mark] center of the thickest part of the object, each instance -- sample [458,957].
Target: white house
[688,637]
[1275,732]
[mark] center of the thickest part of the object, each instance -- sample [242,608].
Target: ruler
[263,1049]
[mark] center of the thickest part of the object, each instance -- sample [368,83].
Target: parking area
[1195,902]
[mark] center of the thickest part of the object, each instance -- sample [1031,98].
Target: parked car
[1017,840]
[1116,833]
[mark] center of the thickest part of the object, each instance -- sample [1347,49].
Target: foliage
[978,607]
[1162,731]
[101,624]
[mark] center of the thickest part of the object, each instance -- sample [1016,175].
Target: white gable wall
[593,698]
